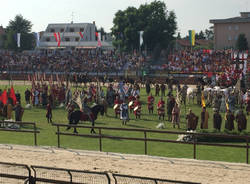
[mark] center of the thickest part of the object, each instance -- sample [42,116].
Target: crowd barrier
[127,179]
[145,139]
[15,126]
[23,174]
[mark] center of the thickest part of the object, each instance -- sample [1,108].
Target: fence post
[100,139]
[58,136]
[145,142]
[247,150]
[35,136]
[70,175]
[194,142]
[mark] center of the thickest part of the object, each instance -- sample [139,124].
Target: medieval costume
[192,120]
[18,111]
[217,120]
[117,104]
[176,116]
[124,116]
[157,90]
[241,121]
[151,100]
[204,118]
[229,123]
[137,108]
[161,108]
[49,113]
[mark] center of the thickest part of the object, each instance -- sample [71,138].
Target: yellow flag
[203,102]
[227,106]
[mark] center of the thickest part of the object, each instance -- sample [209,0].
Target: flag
[37,39]
[237,86]
[203,102]
[18,39]
[141,37]
[81,34]
[13,95]
[178,98]
[192,37]
[99,40]
[58,38]
[227,106]
[3,97]
[96,35]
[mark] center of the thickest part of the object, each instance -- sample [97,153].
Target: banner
[37,39]
[192,37]
[99,40]
[141,37]
[58,38]
[203,102]
[18,39]
[81,34]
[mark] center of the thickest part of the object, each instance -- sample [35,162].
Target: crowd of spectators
[70,61]
[184,61]
[198,61]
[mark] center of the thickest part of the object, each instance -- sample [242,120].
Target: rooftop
[244,18]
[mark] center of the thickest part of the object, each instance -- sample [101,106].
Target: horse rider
[86,109]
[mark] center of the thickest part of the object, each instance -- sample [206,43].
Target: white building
[71,35]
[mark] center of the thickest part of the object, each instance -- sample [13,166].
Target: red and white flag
[81,35]
[58,38]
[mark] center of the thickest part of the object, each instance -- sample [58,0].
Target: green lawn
[48,137]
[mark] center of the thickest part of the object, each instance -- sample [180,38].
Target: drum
[136,108]
[130,103]
[115,106]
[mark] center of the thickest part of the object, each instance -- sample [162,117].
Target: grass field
[47,135]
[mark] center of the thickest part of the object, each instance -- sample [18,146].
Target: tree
[23,26]
[158,24]
[200,36]
[178,36]
[209,33]
[242,43]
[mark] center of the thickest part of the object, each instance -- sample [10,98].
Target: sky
[191,14]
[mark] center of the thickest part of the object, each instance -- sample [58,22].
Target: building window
[67,39]
[52,30]
[62,30]
[236,27]
[236,37]
[71,30]
[229,38]
[47,39]
[229,28]
[81,29]
[77,39]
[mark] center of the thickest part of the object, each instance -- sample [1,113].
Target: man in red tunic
[151,101]
[131,100]
[137,108]
[161,108]
[117,104]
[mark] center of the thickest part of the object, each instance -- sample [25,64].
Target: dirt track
[148,166]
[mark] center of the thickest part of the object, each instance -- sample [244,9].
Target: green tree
[209,33]
[23,26]
[158,24]
[242,43]
[200,36]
